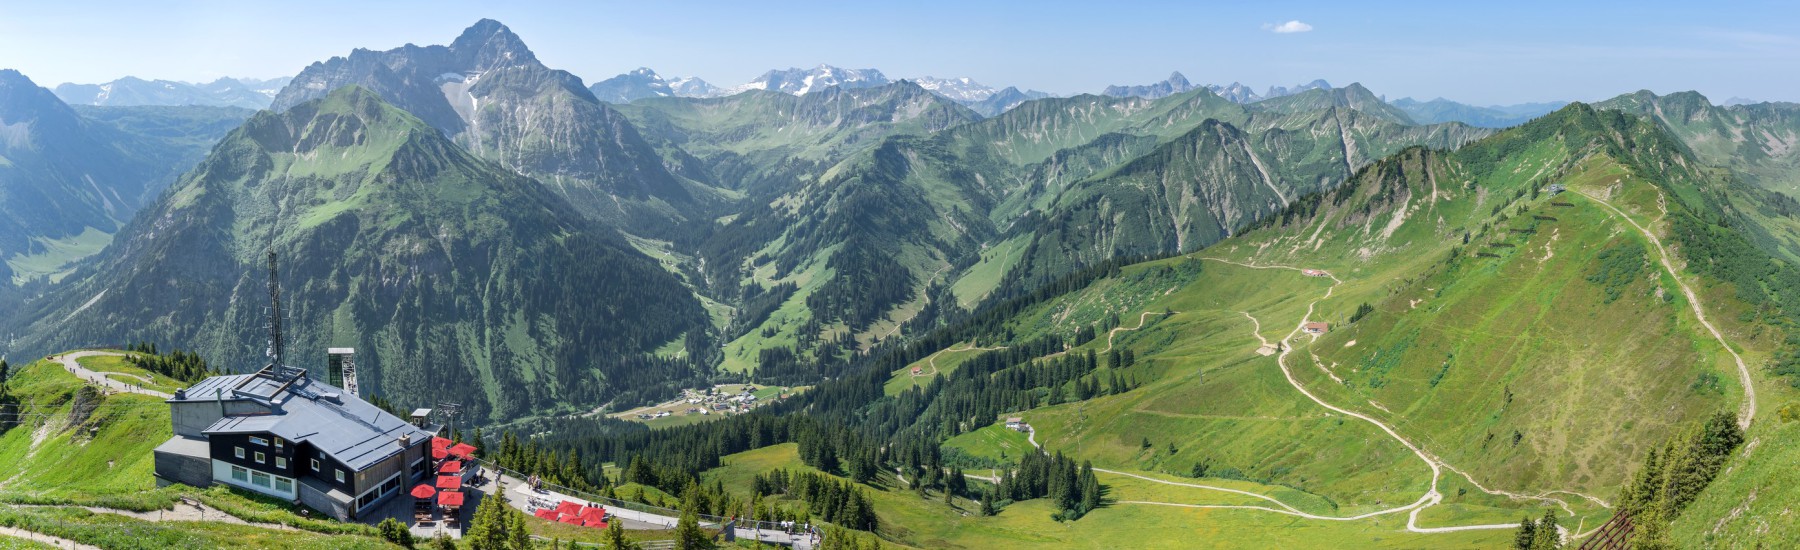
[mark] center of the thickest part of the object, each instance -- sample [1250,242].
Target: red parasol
[451,467]
[439,454]
[449,483]
[592,513]
[546,514]
[595,523]
[566,508]
[463,450]
[423,491]
[440,443]
[452,499]
[571,520]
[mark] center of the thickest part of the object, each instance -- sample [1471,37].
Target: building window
[315,465]
[239,452]
[259,457]
[284,485]
[259,441]
[278,443]
[259,479]
[281,462]
[239,474]
[340,476]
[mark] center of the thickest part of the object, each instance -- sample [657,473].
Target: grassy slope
[1591,379]
[929,523]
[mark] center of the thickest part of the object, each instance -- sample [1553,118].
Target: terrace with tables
[443,505]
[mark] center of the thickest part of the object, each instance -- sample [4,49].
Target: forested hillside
[452,276]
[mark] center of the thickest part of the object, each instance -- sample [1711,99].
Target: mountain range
[1496,116]
[247,93]
[453,275]
[1305,317]
[643,83]
[1176,83]
[70,178]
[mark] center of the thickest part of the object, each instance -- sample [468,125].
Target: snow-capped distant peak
[956,89]
[799,81]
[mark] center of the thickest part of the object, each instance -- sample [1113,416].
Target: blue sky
[1475,52]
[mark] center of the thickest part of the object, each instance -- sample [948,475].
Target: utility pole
[276,345]
[451,411]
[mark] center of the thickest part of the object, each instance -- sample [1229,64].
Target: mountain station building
[280,433]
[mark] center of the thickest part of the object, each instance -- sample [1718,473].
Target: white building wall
[222,474]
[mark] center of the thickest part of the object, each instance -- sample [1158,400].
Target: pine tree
[488,530]
[987,503]
[1525,535]
[442,542]
[1546,536]
[615,538]
[517,535]
[689,536]
[1089,489]
[1650,532]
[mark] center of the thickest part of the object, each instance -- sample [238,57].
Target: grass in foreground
[115,532]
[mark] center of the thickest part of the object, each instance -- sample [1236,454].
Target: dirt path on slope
[58,542]
[1747,412]
[72,363]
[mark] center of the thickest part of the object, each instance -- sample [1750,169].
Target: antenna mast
[276,345]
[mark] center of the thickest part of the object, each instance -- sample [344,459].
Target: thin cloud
[1288,27]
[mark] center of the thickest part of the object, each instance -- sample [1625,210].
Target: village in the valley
[696,405]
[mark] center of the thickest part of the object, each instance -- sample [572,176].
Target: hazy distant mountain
[644,82]
[67,181]
[1003,101]
[248,93]
[1354,96]
[1278,91]
[1735,100]
[1497,116]
[1174,85]
[799,81]
[1236,92]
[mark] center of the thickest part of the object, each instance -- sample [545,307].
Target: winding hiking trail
[1747,412]
[932,361]
[1430,498]
[72,362]
[1141,318]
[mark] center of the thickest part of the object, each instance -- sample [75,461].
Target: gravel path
[72,362]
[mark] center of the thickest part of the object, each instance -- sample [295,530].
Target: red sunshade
[439,454]
[546,513]
[449,483]
[592,512]
[440,443]
[464,450]
[571,520]
[567,508]
[596,523]
[423,491]
[451,467]
[450,498]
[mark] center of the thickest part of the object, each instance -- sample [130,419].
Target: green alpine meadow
[350,275]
